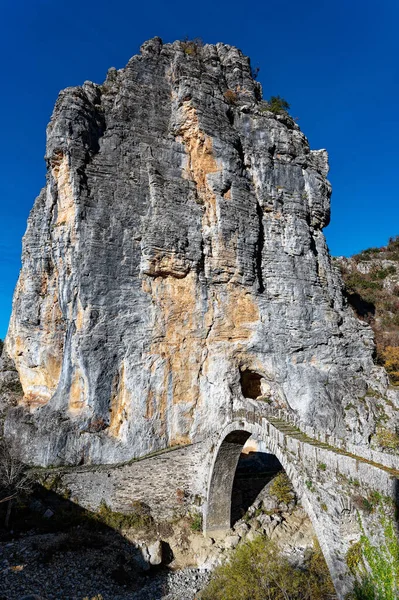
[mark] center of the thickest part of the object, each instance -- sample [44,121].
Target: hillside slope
[372,282]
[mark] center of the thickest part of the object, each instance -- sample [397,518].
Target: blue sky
[335,61]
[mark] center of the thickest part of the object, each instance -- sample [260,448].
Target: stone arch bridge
[329,478]
[349,493]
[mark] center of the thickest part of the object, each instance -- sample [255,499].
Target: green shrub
[365,254]
[257,571]
[138,519]
[192,47]
[278,105]
[384,273]
[363,503]
[354,557]
[281,488]
[389,440]
[196,522]
[364,590]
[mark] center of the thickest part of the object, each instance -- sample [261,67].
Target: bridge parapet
[255,414]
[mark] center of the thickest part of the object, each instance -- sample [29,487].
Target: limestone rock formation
[174,266]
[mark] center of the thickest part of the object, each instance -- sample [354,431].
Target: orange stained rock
[201,160]
[201,163]
[179,440]
[176,342]
[65,202]
[150,404]
[166,264]
[80,315]
[120,401]
[40,381]
[235,314]
[78,391]
[183,336]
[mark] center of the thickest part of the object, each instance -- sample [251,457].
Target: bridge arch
[225,456]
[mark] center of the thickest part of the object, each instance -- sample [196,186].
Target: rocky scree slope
[174,266]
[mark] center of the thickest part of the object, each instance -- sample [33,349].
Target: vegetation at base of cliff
[376,567]
[138,519]
[354,557]
[376,302]
[196,522]
[15,480]
[257,570]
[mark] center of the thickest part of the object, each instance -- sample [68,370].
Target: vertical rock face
[175,264]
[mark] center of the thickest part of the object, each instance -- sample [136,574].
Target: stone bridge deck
[291,426]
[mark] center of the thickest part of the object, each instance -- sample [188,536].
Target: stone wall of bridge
[167,483]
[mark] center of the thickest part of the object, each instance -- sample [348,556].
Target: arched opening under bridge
[223,507]
[256,468]
[241,470]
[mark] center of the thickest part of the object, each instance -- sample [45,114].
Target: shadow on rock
[56,549]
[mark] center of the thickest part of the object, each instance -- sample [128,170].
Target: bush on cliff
[278,105]
[257,571]
[281,488]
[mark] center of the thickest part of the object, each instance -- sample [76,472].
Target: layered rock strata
[174,266]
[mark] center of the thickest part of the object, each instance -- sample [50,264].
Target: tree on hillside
[278,104]
[15,480]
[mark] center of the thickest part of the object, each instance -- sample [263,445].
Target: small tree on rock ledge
[278,105]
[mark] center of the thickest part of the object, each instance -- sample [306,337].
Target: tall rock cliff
[175,265]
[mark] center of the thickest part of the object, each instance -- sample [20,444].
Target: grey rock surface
[155,553]
[176,253]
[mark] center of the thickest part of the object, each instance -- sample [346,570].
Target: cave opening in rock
[251,384]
